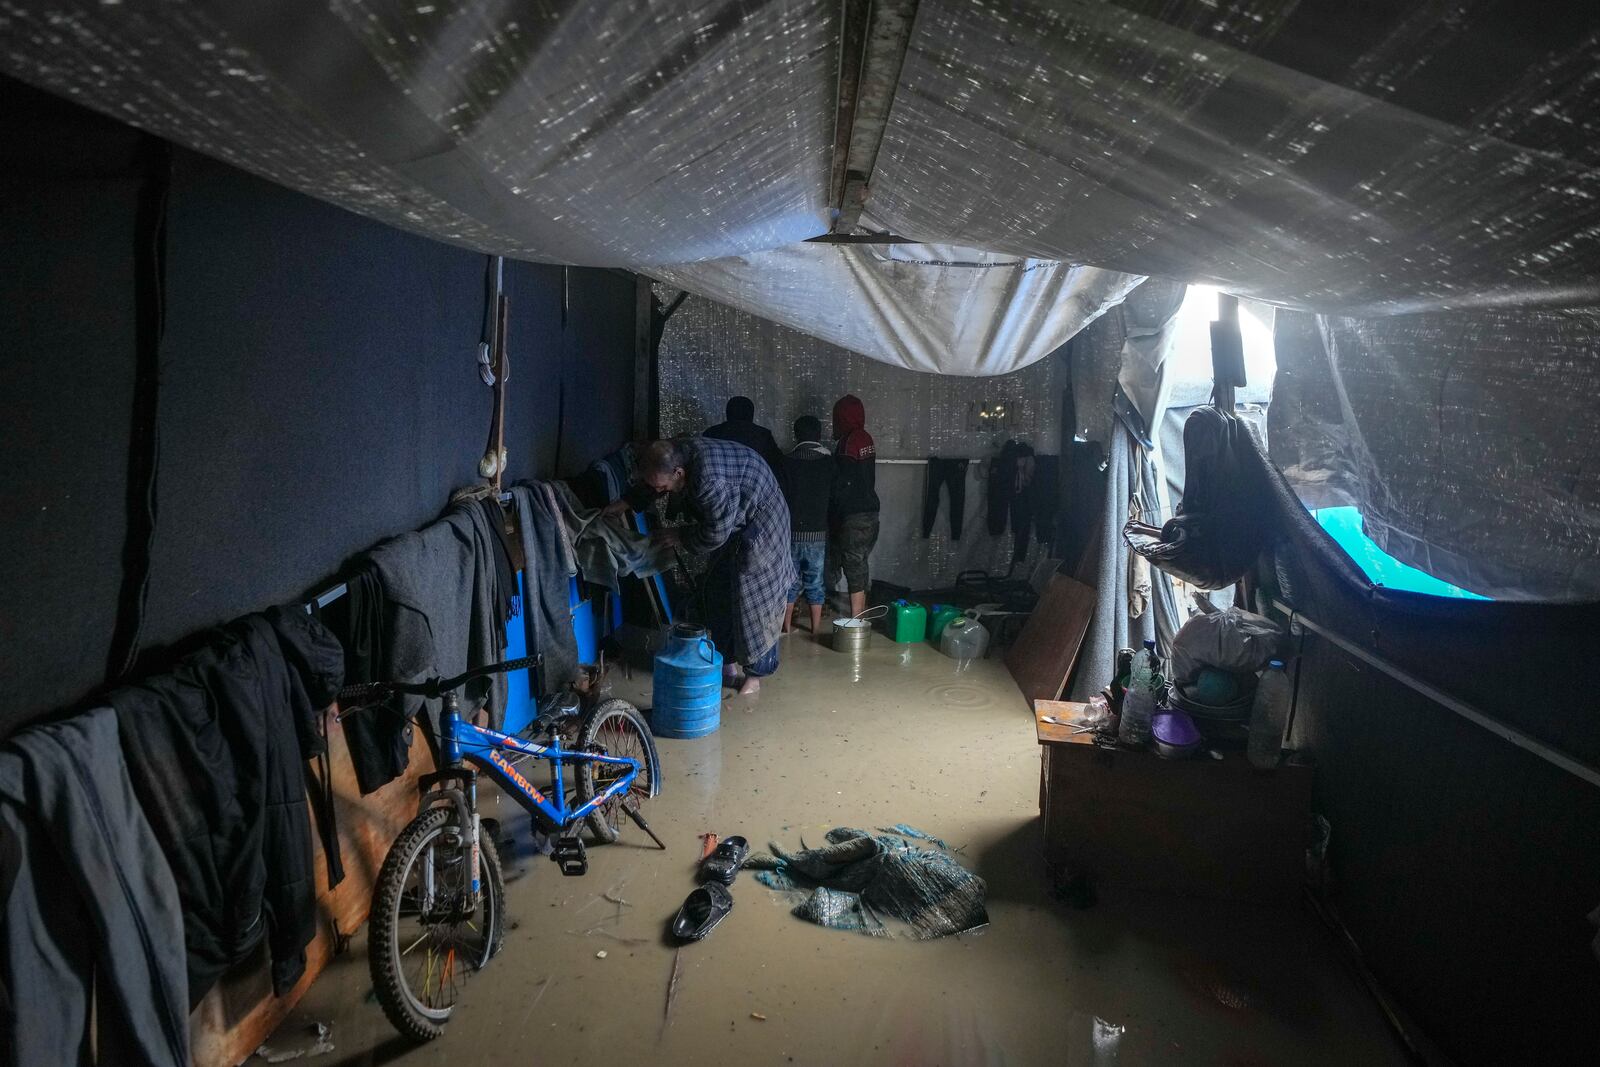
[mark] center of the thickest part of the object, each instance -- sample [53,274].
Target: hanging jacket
[216,753]
[92,944]
[856,453]
[377,734]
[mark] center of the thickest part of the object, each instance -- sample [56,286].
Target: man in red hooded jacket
[854,513]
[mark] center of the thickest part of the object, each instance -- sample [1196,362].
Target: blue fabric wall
[318,389]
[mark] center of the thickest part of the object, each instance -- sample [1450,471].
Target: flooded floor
[896,735]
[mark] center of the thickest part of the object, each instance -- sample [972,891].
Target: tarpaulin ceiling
[933,308]
[1328,155]
[594,132]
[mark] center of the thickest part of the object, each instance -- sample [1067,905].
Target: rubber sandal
[724,862]
[701,912]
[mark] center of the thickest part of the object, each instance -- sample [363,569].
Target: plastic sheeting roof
[1354,157]
[934,308]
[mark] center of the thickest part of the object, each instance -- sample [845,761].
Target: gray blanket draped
[441,588]
[546,572]
[562,539]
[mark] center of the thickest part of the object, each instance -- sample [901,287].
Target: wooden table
[1199,827]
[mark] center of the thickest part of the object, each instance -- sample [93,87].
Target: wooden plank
[1065,710]
[1042,657]
[240,1012]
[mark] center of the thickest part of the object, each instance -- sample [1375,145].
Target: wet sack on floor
[859,880]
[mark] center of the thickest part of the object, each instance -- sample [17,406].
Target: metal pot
[855,634]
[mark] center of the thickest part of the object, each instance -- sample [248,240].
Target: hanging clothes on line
[1046,497]
[91,911]
[377,735]
[949,475]
[505,573]
[547,570]
[563,539]
[215,751]
[441,593]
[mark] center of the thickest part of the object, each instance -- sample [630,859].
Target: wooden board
[1065,711]
[1043,654]
[240,1012]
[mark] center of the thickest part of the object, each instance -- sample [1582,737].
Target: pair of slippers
[710,903]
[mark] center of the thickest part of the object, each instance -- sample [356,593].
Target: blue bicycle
[438,912]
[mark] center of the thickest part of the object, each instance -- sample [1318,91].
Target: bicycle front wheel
[424,938]
[615,728]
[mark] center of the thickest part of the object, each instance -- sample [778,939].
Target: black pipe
[144,436]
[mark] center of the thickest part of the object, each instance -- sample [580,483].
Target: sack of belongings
[1220,526]
[1229,639]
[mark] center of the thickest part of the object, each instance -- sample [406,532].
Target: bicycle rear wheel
[422,942]
[615,728]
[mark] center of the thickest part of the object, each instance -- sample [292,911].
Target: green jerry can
[939,618]
[907,622]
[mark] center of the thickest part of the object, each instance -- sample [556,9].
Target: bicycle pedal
[571,856]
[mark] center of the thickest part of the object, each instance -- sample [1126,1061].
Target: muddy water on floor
[898,734]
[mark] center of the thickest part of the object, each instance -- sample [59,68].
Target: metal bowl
[1236,711]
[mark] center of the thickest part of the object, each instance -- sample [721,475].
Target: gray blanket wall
[319,390]
[710,351]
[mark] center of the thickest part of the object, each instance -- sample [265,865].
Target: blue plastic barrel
[687,696]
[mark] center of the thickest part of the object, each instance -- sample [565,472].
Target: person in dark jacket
[808,476]
[741,427]
[855,510]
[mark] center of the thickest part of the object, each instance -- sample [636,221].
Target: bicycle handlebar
[433,688]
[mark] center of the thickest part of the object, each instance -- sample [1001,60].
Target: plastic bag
[1221,524]
[1233,640]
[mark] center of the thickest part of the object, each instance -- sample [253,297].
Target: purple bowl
[1175,733]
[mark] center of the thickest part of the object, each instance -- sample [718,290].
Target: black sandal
[701,912]
[724,862]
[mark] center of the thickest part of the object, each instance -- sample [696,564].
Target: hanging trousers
[950,473]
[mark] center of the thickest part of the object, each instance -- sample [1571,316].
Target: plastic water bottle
[1139,702]
[964,640]
[1267,716]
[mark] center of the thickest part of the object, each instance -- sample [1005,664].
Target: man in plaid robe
[744,527]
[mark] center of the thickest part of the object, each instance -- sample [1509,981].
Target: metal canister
[855,634]
[851,635]
[687,685]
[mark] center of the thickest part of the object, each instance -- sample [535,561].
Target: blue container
[687,685]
